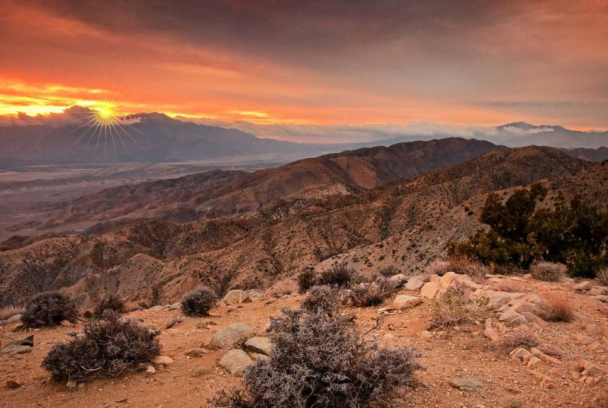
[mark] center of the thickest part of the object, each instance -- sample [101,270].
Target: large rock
[430,290]
[235,297]
[405,302]
[414,284]
[231,336]
[261,345]
[236,362]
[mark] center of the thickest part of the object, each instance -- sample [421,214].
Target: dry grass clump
[556,308]
[602,276]
[49,309]
[373,294]
[283,287]
[466,266]
[321,360]
[456,306]
[548,271]
[9,311]
[110,347]
[340,275]
[110,302]
[199,302]
[514,340]
[389,271]
[306,280]
[438,267]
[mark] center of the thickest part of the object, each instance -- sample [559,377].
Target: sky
[314,63]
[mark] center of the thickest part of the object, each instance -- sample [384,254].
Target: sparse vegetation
[389,271]
[548,271]
[320,360]
[514,340]
[306,279]
[438,267]
[282,288]
[556,309]
[602,276]
[10,311]
[340,275]
[110,302]
[110,347]
[468,266]
[574,233]
[456,306]
[321,298]
[199,302]
[372,294]
[49,309]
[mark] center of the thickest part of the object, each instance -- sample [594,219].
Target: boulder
[235,297]
[430,290]
[236,361]
[261,345]
[414,284]
[405,302]
[237,333]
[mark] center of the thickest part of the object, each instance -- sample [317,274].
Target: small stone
[402,302]
[259,357]
[201,372]
[467,384]
[583,286]
[14,319]
[400,279]
[414,284]
[202,324]
[172,322]
[150,370]
[12,384]
[509,402]
[196,352]
[71,385]
[66,323]
[235,297]
[163,361]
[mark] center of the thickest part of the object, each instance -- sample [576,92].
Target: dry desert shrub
[199,302]
[340,275]
[548,271]
[373,294]
[466,266]
[282,288]
[110,302]
[438,267]
[514,340]
[321,298]
[49,309]
[110,347]
[306,279]
[602,276]
[456,306]
[320,360]
[389,271]
[556,308]
[9,311]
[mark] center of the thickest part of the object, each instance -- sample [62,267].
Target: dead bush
[49,309]
[438,267]
[340,275]
[282,288]
[306,279]
[320,360]
[373,294]
[602,276]
[199,302]
[110,347]
[548,271]
[514,340]
[389,271]
[110,302]
[457,306]
[321,298]
[9,311]
[556,308]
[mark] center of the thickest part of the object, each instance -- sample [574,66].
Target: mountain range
[396,206]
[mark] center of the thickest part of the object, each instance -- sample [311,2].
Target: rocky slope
[218,194]
[403,223]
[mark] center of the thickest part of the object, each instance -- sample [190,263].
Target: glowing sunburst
[106,125]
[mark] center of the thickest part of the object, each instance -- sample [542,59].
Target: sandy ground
[462,351]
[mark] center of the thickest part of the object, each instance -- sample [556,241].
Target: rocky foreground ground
[466,365]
